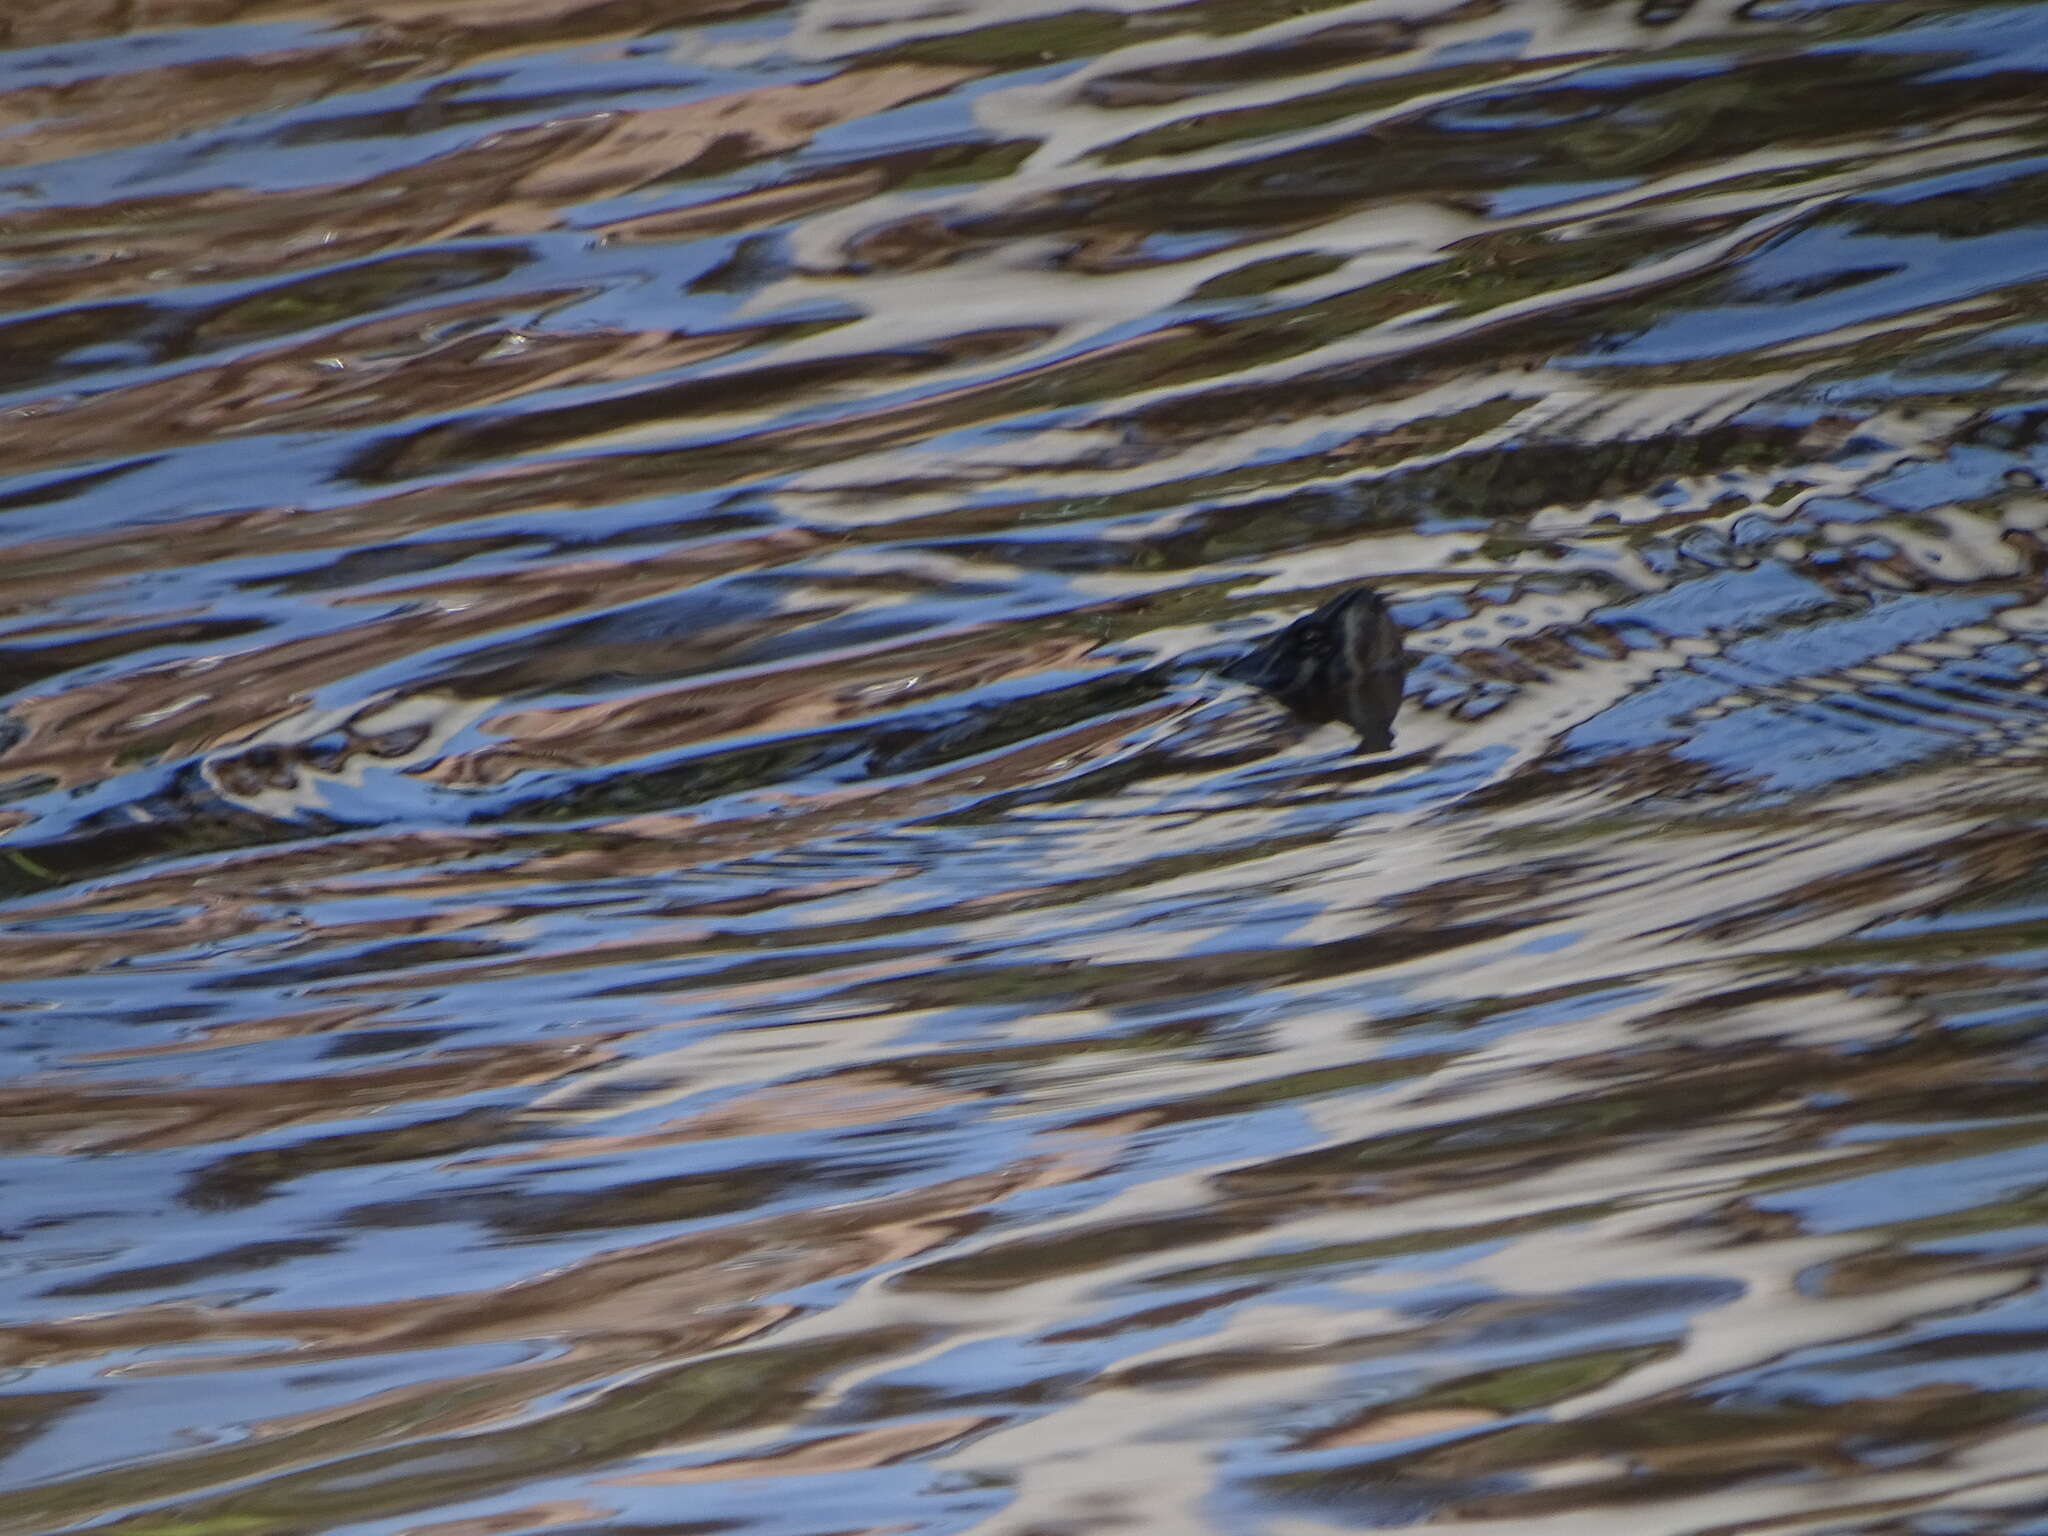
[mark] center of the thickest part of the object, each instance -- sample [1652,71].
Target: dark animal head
[1341,662]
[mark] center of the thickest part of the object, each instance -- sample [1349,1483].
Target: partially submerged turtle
[1343,661]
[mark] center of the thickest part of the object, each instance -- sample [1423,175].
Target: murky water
[633,902]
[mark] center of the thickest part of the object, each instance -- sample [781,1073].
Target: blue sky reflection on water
[631,901]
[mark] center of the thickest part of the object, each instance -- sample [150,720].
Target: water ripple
[638,895]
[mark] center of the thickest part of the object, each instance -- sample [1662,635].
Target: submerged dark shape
[1341,662]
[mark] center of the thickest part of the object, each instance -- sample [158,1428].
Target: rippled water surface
[631,901]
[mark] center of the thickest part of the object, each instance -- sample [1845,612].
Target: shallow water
[628,909]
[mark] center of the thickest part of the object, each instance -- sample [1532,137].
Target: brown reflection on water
[135,1117]
[638,896]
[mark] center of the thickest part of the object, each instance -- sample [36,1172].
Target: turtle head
[1341,662]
